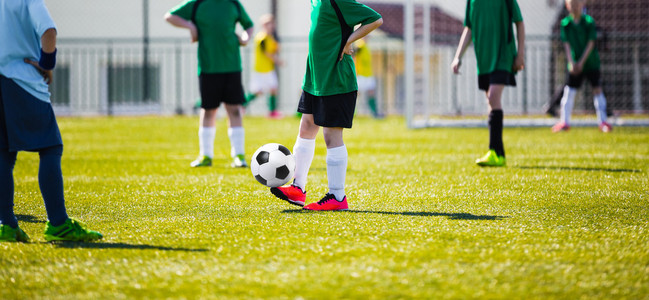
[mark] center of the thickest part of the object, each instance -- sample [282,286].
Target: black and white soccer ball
[273,165]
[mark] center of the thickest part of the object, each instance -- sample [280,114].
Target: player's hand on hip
[349,50]
[47,74]
[193,31]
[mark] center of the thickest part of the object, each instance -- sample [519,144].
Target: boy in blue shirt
[27,121]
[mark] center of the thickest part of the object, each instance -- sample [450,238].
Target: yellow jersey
[363,59]
[265,46]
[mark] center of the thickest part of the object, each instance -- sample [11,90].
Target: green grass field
[568,218]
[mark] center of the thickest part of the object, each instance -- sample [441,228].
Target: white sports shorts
[263,82]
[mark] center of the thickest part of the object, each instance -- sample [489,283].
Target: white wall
[123,18]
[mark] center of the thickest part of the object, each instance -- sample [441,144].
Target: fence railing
[104,77]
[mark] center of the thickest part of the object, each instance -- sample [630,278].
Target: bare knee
[308,128]
[333,137]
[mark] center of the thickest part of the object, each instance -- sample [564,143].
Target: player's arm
[465,41]
[48,55]
[359,34]
[182,23]
[571,61]
[244,37]
[519,61]
[582,60]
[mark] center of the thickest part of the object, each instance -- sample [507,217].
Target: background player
[578,34]
[264,75]
[212,24]
[498,61]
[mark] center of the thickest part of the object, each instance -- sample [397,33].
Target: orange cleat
[605,127]
[292,193]
[561,126]
[328,202]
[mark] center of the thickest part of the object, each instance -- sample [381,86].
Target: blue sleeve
[40,16]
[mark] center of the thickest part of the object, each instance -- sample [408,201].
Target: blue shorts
[26,123]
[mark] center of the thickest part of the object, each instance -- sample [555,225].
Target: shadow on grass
[29,219]
[559,168]
[452,216]
[102,245]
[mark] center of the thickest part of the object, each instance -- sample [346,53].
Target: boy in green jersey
[578,34]
[212,24]
[488,23]
[329,97]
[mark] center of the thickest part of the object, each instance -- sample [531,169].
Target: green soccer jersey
[494,41]
[325,75]
[218,45]
[578,36]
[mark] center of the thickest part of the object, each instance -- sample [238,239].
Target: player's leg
[599,100]
[496,155]
[336,161]
[335,199]
[256,88]
[272,86]
[209,86]
[233,97]
[555,103]
[335,113]
[272,104]
[303,151]
[600,107]
[567,102]
[50,180]
[206,136]
[236,133]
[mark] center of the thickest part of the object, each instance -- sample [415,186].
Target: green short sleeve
[183,10]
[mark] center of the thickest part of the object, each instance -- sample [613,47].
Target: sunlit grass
[568,218]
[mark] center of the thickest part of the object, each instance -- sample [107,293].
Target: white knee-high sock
[206,140]
[336,171]
[600,107]
[303,151]
[237,141]
[567,102]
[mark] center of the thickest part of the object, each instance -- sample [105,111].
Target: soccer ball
[273,165]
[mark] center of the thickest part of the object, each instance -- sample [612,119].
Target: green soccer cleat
[491,159]
[239,161]
[10,234]
[202,161]
[72,230]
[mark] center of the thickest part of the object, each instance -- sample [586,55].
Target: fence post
[179,105]
[109,70]
[637,80]
[409,78]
